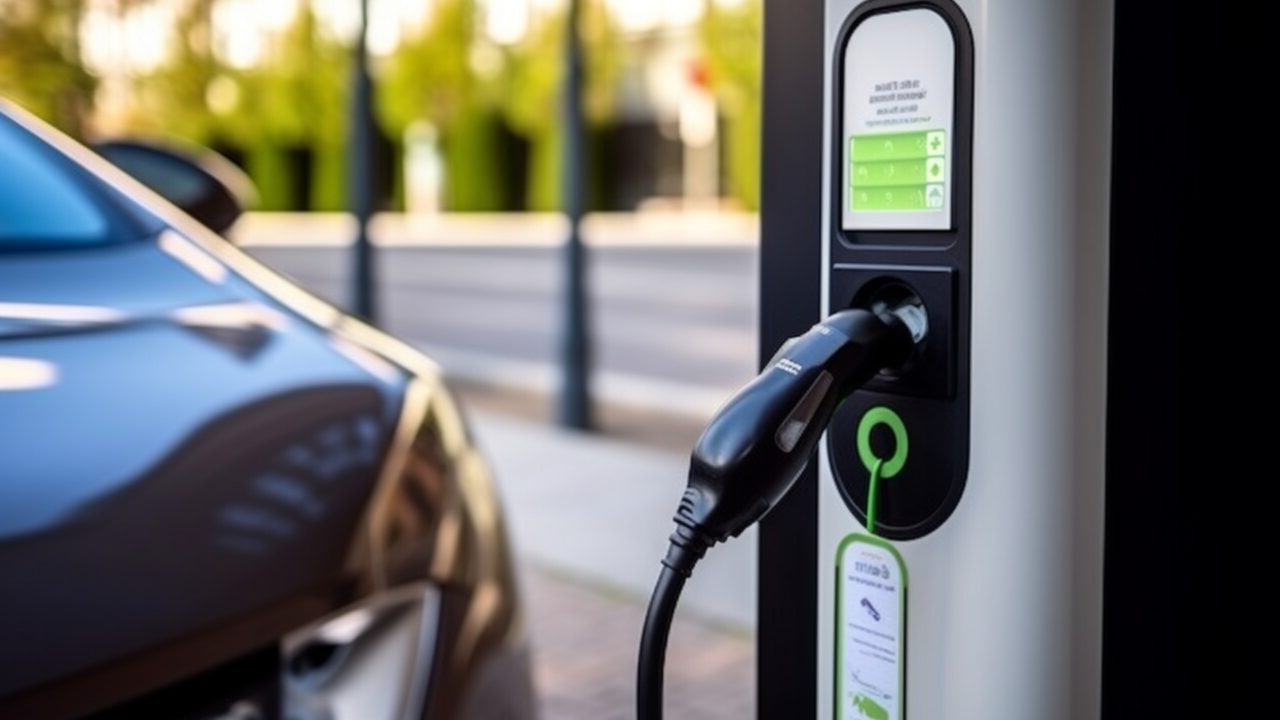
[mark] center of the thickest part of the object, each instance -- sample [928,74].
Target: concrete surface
[600,509]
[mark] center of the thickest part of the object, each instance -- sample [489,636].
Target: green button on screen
[898,171]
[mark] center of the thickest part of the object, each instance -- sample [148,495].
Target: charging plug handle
[759,442]
[757,445]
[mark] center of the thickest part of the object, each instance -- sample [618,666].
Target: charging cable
[756,446]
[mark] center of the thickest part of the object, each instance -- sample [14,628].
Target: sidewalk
[585,644]
[647,228]
[600,509]
[590,517]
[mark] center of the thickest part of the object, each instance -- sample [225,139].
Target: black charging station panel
[930,396]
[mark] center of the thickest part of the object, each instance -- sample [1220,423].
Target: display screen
[899,88]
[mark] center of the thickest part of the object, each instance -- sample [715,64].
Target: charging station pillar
[961,152]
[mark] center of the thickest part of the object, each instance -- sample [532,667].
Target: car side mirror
[204,184]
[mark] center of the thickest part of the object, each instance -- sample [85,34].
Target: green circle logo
[876,416]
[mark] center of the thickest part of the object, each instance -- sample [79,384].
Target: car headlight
[432,546]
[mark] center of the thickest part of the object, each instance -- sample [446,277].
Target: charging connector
[756,446]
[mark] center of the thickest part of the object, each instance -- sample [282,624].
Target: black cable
[653,644]
[687,547]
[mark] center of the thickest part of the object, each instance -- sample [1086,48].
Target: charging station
[976,158]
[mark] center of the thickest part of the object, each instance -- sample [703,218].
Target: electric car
[219,496]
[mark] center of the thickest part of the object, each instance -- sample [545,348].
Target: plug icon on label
[871,609]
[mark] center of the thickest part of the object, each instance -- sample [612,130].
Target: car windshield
[40,202]
[49,201]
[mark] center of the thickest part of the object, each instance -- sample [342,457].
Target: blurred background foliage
[732,40]
[40,64]
[487,107]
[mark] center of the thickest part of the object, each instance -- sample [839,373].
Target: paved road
[673,323]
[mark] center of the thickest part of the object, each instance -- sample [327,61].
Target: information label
[899,96]
[871,621]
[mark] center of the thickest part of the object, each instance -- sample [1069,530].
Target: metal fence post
[574,406]
[360,176]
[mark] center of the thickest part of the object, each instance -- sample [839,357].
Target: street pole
[574,407]
[360,149]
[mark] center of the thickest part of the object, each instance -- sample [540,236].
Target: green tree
[170,100]
[294,98]
[532,87]
[531,104]
[298,97]
[430,77]
[731,39]
[433,77]
[40,65]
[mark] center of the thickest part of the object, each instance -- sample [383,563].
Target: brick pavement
[585,617]
[585,639]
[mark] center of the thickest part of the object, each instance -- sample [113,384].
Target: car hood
[179,447]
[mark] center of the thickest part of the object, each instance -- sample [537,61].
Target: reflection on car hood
[144,353]
[179,447]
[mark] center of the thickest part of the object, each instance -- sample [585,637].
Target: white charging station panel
[899,97]
[1002,107]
